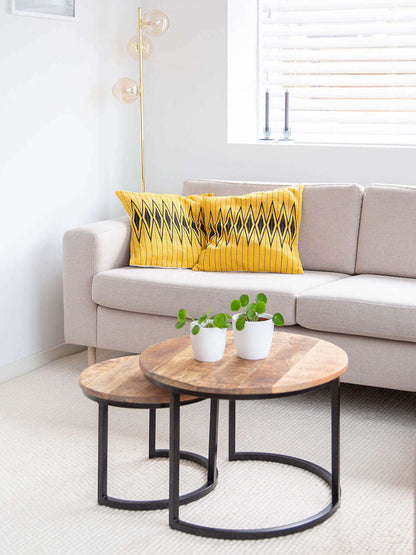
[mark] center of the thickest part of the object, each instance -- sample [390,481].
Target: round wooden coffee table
[119,382]
[296,364]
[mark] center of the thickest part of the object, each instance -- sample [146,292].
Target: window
[349,67]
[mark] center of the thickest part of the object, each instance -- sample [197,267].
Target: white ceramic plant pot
[255,340]
[209,344]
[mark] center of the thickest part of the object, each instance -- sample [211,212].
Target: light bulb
[133,47]
[155,22]
[126,90]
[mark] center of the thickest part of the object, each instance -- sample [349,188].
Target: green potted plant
[253,327]
[208,334]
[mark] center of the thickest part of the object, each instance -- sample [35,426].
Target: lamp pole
[140,91]
[126,90]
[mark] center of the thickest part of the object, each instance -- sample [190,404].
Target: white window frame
[245,100]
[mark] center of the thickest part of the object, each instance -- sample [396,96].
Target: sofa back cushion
[387,240]
[330,219]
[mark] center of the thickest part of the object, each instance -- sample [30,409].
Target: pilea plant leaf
[220,321]
[244,300]
[278,319]
[252,312]
[204,321]
[261,307]
[203,317]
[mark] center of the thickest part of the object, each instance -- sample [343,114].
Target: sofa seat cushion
[370,305]
[163,291]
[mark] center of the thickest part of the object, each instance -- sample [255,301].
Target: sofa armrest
[87,251]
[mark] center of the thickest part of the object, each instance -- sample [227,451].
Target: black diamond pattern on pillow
[170,222]
[251,226]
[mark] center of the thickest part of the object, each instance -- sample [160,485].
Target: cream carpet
[48,444]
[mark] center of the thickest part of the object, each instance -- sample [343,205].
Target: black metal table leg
[102,452]
[332,479]
[152,433]
[213,442]
[132,505]
[174,444]
[335,441]
[231,430]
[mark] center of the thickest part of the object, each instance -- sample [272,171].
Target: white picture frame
[55,9]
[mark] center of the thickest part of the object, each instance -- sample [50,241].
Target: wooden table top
[121,380]
[295,362]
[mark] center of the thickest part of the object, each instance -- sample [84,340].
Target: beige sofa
[358,249]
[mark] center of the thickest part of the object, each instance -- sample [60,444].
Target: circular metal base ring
[153,505]
[261,533]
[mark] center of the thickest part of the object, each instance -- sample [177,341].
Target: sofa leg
[92,355]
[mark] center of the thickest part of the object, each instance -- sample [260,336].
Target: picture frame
[55,9]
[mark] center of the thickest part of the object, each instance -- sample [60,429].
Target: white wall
[185,108]
[65,146]
[242,54]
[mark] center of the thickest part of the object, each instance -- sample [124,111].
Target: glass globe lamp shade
[133,47]
[126,90]
[155,22]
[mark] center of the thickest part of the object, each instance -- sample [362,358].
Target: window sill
[292,143]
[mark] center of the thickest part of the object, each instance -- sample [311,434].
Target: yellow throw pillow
[166,230]
[253,233]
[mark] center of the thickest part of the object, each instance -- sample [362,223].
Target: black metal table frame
[332,478]
[150,505]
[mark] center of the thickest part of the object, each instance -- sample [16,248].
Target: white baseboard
[25,365]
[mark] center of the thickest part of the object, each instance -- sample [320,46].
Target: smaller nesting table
[119,382]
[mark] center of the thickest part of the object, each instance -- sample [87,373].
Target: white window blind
[349,67]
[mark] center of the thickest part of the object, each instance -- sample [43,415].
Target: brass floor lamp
[126,90]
